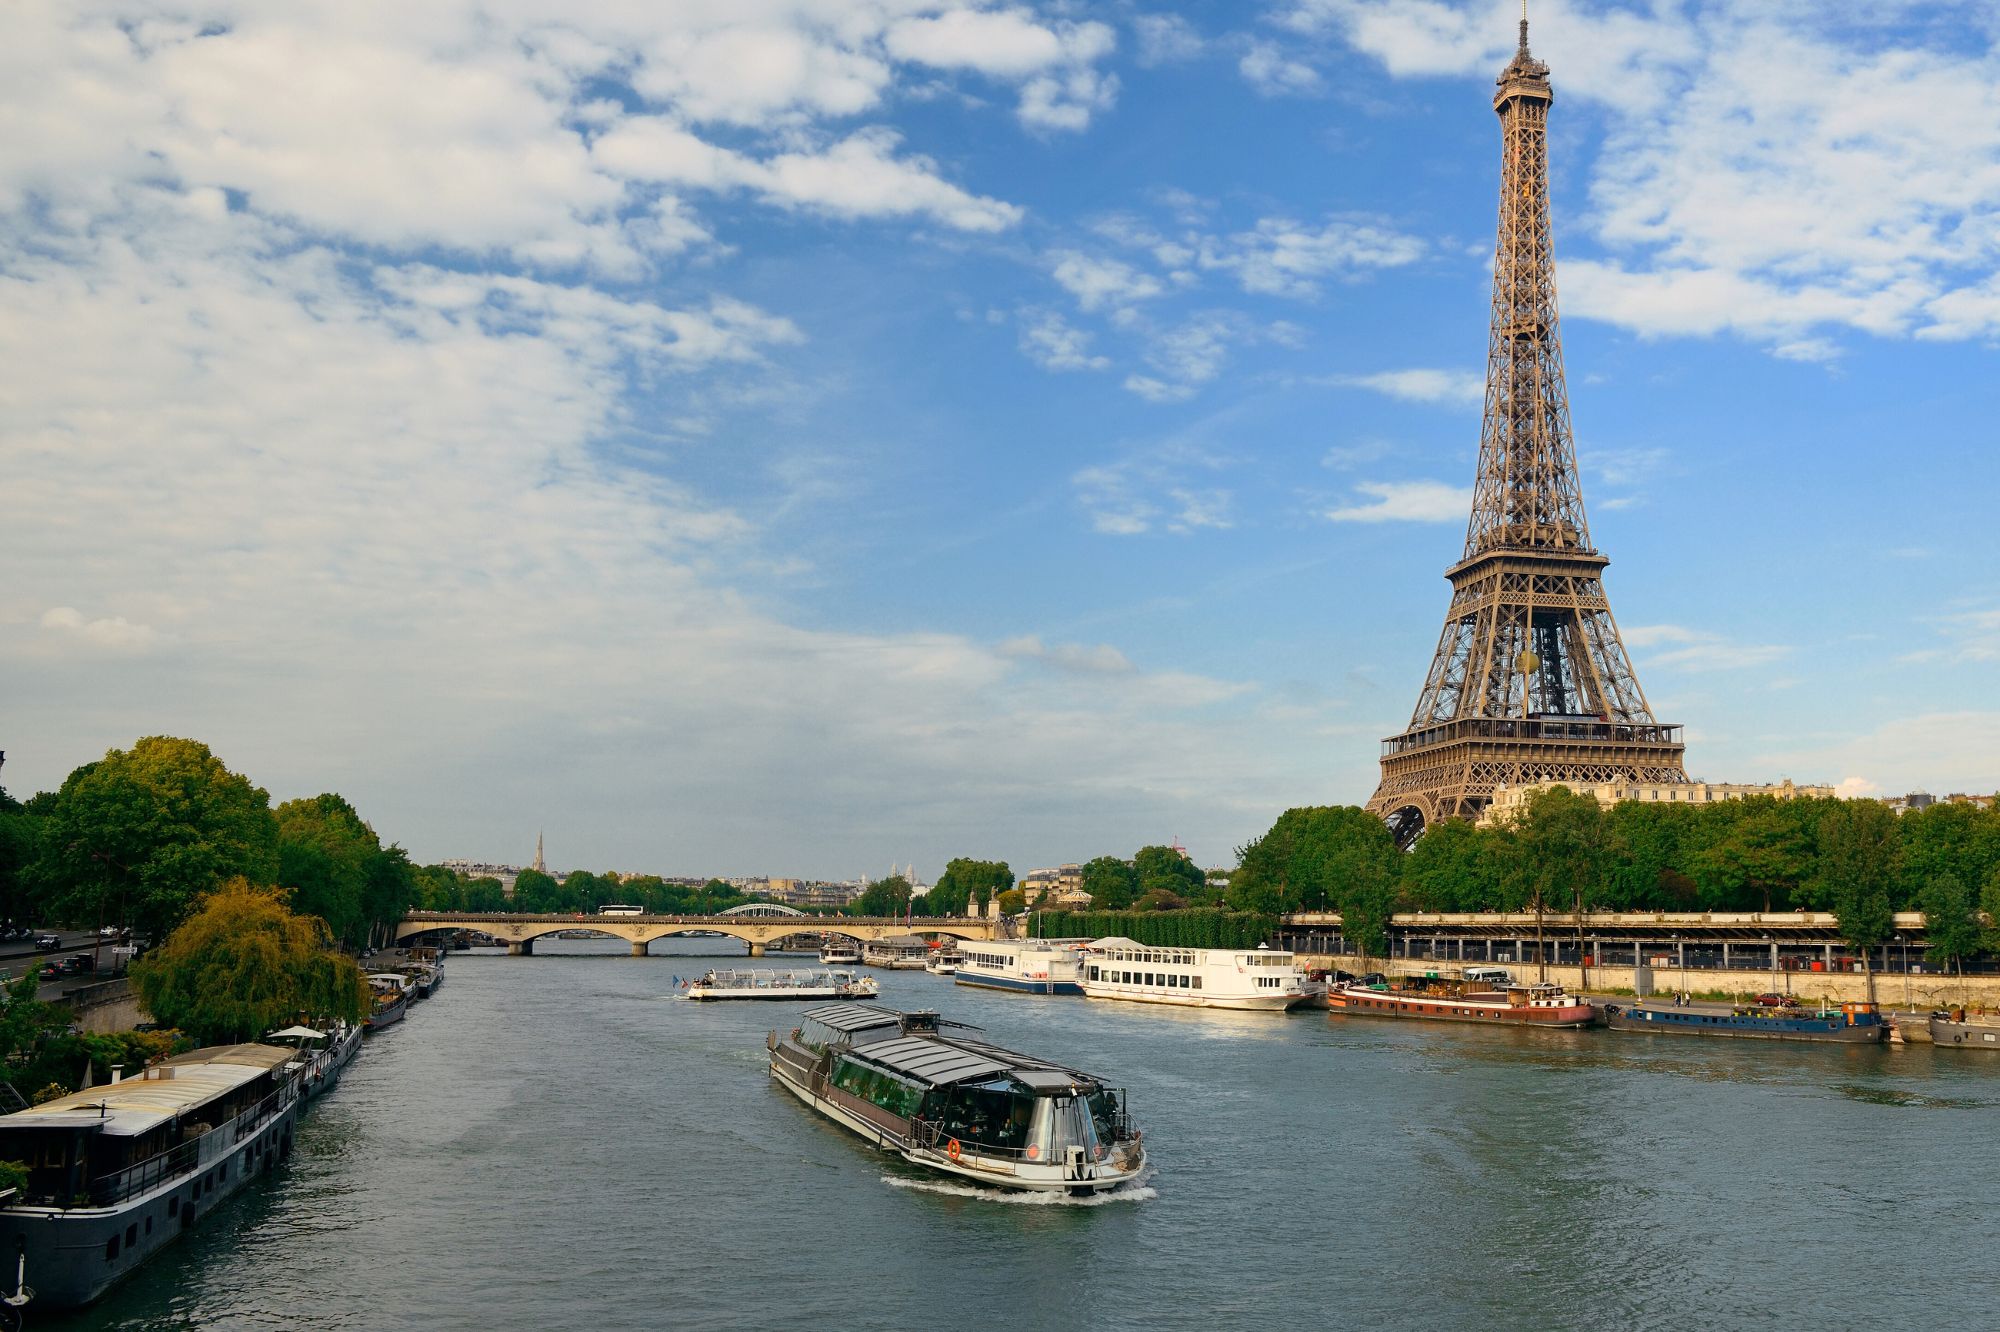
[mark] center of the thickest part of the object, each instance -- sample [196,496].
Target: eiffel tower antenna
[1530,681]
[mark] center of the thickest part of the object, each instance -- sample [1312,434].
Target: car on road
[76,964]
[50,971]
[112,932]
[48,943]
[1771,999]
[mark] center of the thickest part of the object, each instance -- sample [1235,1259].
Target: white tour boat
[943,961]
[760,983]
[1030,966]
[839,955]
[941,1097]
[1247,978]
[897,952]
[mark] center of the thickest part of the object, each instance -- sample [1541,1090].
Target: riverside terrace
[1774,941]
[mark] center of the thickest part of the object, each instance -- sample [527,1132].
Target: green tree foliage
[883,897]
[1453,867]
[1323,858]
[1112,883]
[1856,842]
[139,836]
[325,856]
[1202,927]
[535,891]
[20,842]
[1163,870]
[1562,848]
[966,886]
[1951,924]
[485,893]
[1761,853]
[1013,902]
[1160,899]
[243,964]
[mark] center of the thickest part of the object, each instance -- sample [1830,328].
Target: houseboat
[1953,1028]
[1029,966]
[324,1055]
[897,952]
[837,953]
[389,999]
[940,1097]
[763,983]
[117,1172]
[1442,1000]
[1852,1024]
[1246,978]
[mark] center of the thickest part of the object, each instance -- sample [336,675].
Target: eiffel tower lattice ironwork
[1531,681]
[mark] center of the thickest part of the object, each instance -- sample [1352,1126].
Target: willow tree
[245,963]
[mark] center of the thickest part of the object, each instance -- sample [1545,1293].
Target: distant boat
[1850,1024]
[840,955]
[1025,966]
[762,983]
[943,961]
[901,952]
[1539,1005]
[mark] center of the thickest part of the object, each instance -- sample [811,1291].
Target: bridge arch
[519,931]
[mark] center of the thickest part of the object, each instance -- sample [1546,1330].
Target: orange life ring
[1034,1153]
[952,1149]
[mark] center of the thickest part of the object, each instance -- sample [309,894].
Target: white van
[1489,975]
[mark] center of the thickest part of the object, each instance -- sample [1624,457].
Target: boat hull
[1694,1022]
[1432,1009]
[66,1248]
[387,1016]
[1248,1003]
[1017,984]
[1965,1035]
[890,1138]
[779,995]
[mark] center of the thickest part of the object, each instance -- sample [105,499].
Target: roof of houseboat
[941,1059]
[854,1017]
[143,1102]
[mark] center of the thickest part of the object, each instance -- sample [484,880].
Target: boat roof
[137,1104]
[854,1017]
[931,1060]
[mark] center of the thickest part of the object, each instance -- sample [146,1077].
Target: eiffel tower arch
[1530,681]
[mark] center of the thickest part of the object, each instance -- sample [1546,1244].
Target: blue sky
[790,436]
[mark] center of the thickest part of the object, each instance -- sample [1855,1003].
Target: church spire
[540,866]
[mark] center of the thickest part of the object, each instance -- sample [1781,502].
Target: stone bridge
[521,930]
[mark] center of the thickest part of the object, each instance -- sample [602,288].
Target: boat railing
[144,1176]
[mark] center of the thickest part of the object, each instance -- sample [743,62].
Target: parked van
[1489,975]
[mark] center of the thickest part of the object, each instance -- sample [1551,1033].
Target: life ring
[952,1149]
[1034,1153]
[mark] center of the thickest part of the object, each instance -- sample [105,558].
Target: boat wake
[1138,1190]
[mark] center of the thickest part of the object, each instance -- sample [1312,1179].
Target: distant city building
[1903,804]
[1509,800]
[1059,887]
[1976,801]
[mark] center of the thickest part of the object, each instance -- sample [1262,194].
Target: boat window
[110,1248]
[993,1114]
[1197,982]
[131,1234]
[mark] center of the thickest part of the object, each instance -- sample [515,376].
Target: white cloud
[1203,508]
[1168,484]
[114,633]
[1282,257]
[1273,74]
[1166,39]
[1060,88]
[1157,390]
[1933,751]
[1674,647]
[1101,659]
[1052,343]
[1458,387]
[1097,283]
[1407,502]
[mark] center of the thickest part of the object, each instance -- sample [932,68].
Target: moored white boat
[834,954]
[943,961]
[1259,978]
[941,1097]
[896,952]
[1026,966]
[763,983]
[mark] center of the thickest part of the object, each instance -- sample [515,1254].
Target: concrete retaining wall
[107,1007]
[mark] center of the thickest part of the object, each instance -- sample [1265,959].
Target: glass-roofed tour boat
[941,1097]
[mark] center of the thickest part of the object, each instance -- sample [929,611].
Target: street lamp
[1680,948]
[1903,946]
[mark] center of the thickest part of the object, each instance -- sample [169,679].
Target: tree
[1451,868]
[967,883]
[325,854]
[1951,926]
[485,893]
[1160,899]
[535,891]
[243,964]
[1311,858]
[20,841]
[1013,902]
[1111,883]
[883,897]
[1162,869]
[139,836]
[1857,850]
[1764,855]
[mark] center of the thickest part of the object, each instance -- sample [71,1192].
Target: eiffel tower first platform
[1531,681]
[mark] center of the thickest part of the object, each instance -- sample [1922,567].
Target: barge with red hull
[1539,1005]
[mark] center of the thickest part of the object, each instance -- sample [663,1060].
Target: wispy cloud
[1674,647]
[1459,388]
[1054,344]
[1407,502]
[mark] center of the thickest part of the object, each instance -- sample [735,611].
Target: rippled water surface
[555,1142]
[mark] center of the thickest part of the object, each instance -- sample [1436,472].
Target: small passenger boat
[1851,1024]
[943,961]
[1239,978]
[760,983]
[1537,1005]
[117,1172]
[940,1097]
[1027,966]
[839,955]
[897,952]
[1952,1028]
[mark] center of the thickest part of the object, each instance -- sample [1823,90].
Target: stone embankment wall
[1920,992]
[107,1007]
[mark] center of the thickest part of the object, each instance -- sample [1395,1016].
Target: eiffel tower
[1531,681]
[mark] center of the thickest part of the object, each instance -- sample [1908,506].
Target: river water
[555,1142]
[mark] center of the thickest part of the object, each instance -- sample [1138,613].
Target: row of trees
[141,835]
[1200,927]
[1855,858]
